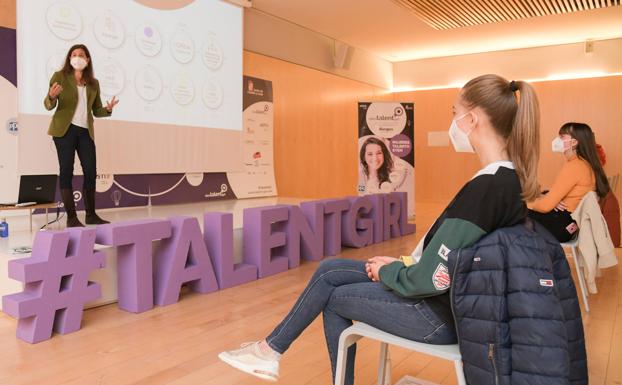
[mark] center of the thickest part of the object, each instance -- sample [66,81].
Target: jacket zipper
[451,296]
[491,357]
[491,347]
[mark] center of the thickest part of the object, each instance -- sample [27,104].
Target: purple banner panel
[125,191]
[8,59]
[169,189]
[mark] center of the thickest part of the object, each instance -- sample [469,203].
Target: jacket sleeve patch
[440,279]
[443,251]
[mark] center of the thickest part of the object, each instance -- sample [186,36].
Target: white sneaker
[249,360]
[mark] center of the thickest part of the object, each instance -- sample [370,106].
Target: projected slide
[179,67]
[174,65]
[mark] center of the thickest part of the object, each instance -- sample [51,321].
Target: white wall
[566,61]
[281,39]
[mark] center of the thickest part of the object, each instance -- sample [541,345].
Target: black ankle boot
[70,208]
[89,204]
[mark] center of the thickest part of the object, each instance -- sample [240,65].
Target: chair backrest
[589,200]
[613,182]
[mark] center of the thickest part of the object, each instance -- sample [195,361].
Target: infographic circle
[148,83]
[182,89]
[148,39]
[212,94]
[53,64]
[212,54]
[64,21]
[111,78]
[182,46]
[108,30]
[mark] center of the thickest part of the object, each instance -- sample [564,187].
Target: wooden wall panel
[440,172]
[7,13]
[315,127]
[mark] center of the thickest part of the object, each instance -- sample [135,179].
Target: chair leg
[580,277]
[460,373]
[345,341]
[382,364]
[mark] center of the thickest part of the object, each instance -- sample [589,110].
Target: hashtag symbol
[56,284]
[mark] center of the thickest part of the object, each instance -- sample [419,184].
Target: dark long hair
[387,165]
[586,150]
[87,72]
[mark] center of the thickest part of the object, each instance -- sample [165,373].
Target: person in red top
[581,174]
[609,205]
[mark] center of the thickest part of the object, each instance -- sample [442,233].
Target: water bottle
[4,228]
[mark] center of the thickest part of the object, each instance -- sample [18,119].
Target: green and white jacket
[490,200]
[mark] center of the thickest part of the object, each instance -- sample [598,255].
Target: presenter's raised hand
[110,104]
[55,90]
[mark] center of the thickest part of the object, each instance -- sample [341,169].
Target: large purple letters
[275,238]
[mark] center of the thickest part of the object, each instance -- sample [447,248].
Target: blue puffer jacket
[516,310]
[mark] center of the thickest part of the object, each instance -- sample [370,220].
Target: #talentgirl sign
[386,149]
[275,239]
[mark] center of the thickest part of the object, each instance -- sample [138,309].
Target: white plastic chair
[360,330]
[576,255]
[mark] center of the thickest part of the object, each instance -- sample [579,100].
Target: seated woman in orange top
[581,174]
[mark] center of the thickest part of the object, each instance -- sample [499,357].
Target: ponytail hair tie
[513,86]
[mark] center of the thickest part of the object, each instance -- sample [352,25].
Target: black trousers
[76,139]
[558,223]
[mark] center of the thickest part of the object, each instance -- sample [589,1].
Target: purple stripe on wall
[8,55]
[214,186]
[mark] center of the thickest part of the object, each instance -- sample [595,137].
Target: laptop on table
[35,189]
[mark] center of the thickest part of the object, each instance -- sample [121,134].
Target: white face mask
[458,138]
[558,145]
[78,63]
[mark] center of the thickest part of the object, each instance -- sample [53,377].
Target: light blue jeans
[341,290]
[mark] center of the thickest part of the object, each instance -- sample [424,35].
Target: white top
[492,168]
[79,117]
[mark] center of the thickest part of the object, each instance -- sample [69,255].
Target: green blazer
[67,102]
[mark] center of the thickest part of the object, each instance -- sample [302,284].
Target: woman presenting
[74,92]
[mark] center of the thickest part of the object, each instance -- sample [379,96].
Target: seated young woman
[499,121]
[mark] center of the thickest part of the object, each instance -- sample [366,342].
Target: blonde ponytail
[514,113]
[524,141]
